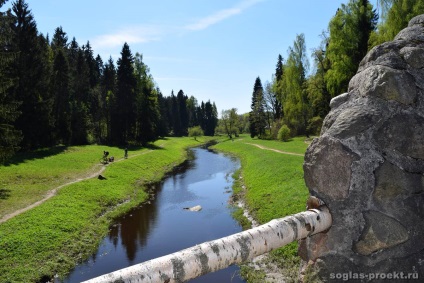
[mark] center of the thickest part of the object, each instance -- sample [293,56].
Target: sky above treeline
[211,49]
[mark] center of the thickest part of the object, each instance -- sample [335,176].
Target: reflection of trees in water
[135,226]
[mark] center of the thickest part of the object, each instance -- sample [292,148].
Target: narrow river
[163,226]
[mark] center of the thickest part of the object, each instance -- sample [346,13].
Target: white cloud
[221,15]
[137,34]
[213,19]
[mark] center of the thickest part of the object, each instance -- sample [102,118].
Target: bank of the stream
[52,238]
[270,185]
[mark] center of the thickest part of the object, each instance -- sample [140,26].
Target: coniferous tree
[210,118]
[192,113]
[108,91]
[147,103]
[32,74]
[123,115]
[182,110]
[277,93]
[60,90]
[10,137]
[163,125]
[175,115]
[257,117]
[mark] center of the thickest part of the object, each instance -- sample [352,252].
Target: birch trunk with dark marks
[219,254]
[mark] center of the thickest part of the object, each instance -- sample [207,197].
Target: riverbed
[162,225]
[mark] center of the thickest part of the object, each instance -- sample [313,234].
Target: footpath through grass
[274,188]
[53,237]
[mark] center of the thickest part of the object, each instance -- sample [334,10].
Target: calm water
[164,227]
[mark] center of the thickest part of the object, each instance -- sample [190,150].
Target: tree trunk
[219,254]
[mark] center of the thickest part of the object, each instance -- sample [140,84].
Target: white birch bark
[219,254]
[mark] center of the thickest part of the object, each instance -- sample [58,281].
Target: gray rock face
[368,167]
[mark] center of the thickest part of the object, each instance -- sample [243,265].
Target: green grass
[274,181]
[28,177]
[53,237]
[295,145]
[274,188]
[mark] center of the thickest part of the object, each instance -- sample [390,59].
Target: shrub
[195,132]
[284,133]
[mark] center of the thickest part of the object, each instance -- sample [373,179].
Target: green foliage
[350,30]
[296,104]
[195,132]
[284,133]
[315,124]
[396,17]
[229,123]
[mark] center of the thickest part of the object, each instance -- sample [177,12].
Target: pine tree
[9,136]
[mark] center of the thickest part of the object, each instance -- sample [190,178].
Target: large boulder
[368,167]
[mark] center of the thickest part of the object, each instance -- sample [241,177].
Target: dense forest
[296,100]
[56,91]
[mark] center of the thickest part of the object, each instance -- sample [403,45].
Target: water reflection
[162,226]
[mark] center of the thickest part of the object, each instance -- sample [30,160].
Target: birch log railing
[219,254]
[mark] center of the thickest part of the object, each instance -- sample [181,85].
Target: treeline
[299,102]
[57,92]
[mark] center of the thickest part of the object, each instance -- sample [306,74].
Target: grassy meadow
[53,237]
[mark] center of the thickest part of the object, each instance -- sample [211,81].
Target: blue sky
[211,49]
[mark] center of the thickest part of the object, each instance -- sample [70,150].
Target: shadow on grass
[4,193]
[22,157]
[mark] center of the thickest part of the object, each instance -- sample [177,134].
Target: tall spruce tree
[106,104]
[32,73]
[123,116]
[276,89]
[10,137]
[60,85]
[257,117]
[182,110]
[147,103]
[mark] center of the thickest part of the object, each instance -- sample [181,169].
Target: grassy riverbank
[51,238]
[272,186]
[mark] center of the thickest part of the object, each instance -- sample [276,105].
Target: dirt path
[275,150]
[53,192]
